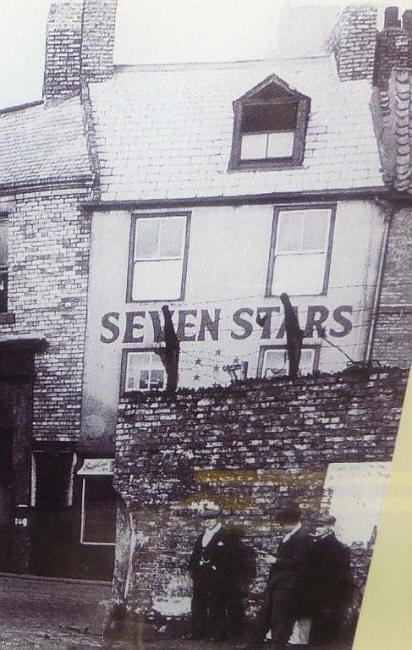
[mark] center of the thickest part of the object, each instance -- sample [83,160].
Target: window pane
[171,237]
[3,243]
[157,280]
[275,362]
[315,229]
[306,361]
[3,290]
[253,146]
[299,274]
[289,234]
[131,383]
[144,380]
[280,145]
[156,363]
[145,371]
[157,379]
[268,117]
[99,511]
[135,362]
[147,238]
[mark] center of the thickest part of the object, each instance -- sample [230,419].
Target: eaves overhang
[250,199]
[47,184]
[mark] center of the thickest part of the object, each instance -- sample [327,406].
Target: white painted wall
[357,492]
[227,270]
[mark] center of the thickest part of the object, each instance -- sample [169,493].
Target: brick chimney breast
[391,17]
[79,45]
[353,41]
[393,47]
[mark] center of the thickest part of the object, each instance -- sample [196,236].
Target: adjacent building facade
[210,188]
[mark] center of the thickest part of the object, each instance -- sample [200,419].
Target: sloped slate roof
[43,143]
[166,131]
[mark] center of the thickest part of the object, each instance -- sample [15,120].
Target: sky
[158,31]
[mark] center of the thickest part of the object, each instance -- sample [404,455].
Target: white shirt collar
[327,534]
[292,532]
[209,532]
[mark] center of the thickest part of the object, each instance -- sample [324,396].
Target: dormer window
[269,127]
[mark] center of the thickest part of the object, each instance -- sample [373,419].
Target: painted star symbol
[218,353]
[196,378]
[198,362]
[216,368]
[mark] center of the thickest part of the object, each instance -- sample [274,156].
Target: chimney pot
[391,17]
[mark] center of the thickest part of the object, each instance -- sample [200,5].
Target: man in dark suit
[285,594]
[213,568]
[331,584]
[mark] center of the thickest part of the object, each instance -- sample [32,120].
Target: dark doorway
[16,419]
[51,530]
[6,477]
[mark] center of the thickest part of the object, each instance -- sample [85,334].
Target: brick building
[200,186]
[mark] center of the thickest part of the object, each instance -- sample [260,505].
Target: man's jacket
[217,559]
[291,567]
[331,579]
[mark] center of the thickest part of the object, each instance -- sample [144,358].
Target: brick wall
[393,46]
[393,340]
[251,448]
[49,241]
[79,45]
[353,42]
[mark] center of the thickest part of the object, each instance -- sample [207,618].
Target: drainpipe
[389,211]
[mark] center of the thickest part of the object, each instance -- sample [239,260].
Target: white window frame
[326,250]
[134,261]
[265,373]
[267,155]
[127,354]
[94,468]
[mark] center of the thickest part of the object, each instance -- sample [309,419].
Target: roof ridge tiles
[151,67]
[21,107]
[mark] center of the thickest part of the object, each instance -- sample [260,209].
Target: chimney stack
[353,41]
[79,45]
[393,46]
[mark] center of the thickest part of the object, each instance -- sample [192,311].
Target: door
[51,530]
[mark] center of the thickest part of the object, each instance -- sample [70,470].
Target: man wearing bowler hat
[331,583]
[285,596]
[212,566]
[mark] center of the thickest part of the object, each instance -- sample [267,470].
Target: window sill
[7,318]
[264,165]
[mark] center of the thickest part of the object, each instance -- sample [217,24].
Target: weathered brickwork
[393,46]
[99,20]
[393,340]
[79,45]
[251,448]
[49,242]
[353,42]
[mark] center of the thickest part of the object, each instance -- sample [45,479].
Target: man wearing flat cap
[331,584]
[213,567]
[285,594]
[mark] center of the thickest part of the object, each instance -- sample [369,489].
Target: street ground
[50,614]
